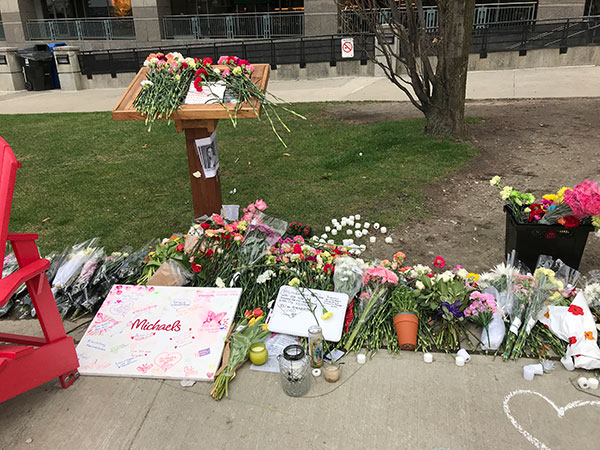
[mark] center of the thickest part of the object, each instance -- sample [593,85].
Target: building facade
[113,24]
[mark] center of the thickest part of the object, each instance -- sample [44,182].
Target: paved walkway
[580,81]
[389,403]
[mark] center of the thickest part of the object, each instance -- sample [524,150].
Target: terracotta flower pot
[406,325]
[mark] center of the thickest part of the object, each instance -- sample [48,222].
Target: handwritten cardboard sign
[159,332]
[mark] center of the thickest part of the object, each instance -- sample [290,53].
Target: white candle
[593,382]
[463,353]
[428,358]
[361,358]
[460,361]
[583,383]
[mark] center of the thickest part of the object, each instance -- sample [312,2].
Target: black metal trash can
[38,63]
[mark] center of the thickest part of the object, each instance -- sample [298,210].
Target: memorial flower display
[569,207]
[171,76]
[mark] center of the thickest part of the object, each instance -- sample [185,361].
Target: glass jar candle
[294,371]
[258,354]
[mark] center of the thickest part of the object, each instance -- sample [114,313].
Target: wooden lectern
[198,121]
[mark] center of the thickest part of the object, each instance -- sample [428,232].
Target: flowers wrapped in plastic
[376,282]
[262,233]
[481,311]
[580,202]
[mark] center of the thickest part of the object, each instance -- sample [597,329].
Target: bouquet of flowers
[171,248]
[166,85]
[263,231]
[546,289]
[251,330]
[481,311]
[376,282]
[579,203]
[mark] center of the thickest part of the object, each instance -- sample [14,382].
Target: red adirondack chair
[25,361]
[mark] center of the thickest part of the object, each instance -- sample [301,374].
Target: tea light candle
[332,373]
[463,353]
[460,361]
[361,358]
[593,382]
[428,358]
[583,383]
[316,373]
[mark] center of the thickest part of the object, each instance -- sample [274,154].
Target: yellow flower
[294,282]
[151,253]
[561,194]
[596,221]
[473,276]
[265,327]
[242,225]
[237,71]
[252,321]
[327,315]
[550,197]
[495,181]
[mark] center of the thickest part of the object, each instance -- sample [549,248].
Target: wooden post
[206,192]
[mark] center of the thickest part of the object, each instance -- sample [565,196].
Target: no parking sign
[347,47]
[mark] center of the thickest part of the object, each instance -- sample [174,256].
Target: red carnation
[209,253]
[184,65]
[569,221]
[576,310]
[196,268]
[439,262]
[198,84]
[297,249]
[572,340]
[205,226]
[207,61]
[328,268]
[179,248]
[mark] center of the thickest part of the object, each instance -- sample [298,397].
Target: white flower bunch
[592,294]
[446,276]
[265,276]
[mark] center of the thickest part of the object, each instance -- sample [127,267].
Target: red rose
[439,262]
[572,340]
[179,248]
[205,226]
[576,310]
[196,268]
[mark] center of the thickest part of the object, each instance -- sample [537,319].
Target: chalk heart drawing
[167,360]
[559,410]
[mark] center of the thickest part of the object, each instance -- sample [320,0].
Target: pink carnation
[260,205]
[217,219]
[584,199]
[380,274]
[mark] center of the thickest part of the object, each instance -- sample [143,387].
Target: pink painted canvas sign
[159,332]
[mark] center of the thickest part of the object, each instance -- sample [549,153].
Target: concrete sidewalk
[389,403]
[581,81]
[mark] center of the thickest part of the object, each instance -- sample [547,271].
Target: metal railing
[487,15]
[538,34]
[108,28]
[520,36]
[301,50]
[2,35]
[231,26]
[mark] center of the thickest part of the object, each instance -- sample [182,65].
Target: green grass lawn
[93,176]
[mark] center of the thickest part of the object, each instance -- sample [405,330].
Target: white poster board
[159,332]
[291,313]
[347,47]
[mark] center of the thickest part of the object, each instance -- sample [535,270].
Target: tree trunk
[446,110]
